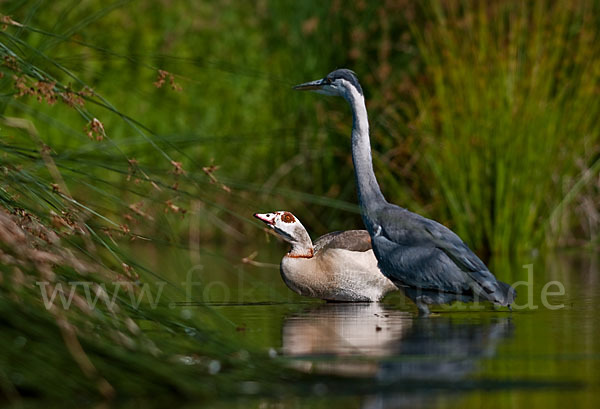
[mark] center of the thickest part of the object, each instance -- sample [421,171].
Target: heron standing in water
[428,261]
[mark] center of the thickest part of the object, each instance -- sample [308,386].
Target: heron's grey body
[424,258]
[339,266]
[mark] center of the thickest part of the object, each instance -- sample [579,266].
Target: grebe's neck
[302,245]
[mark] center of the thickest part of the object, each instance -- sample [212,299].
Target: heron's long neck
[369,193]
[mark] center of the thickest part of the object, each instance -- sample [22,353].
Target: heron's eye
[287,217]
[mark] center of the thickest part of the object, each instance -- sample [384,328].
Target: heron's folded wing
[426,268]
[412,230]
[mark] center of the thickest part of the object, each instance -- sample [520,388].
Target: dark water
[547,356]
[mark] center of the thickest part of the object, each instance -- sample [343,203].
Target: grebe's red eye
[287,217]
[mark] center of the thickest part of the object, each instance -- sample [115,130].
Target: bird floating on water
[428,261]
[339,266]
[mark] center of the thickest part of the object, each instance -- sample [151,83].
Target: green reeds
[483,117]
[64,233]
[509,115]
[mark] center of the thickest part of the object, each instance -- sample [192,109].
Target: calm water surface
[454,359]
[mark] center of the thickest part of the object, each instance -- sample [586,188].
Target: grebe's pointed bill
[268,218]
[311,86]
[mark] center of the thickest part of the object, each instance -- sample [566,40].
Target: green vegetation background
[137,128]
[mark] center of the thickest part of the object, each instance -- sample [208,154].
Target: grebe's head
[285,224]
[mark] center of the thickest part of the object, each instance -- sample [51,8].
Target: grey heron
[340,266]
[428,261]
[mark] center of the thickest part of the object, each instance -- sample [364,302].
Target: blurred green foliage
[139,128]
[509,120]
[471,106]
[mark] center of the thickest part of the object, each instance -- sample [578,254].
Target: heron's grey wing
[353,240]
[421,267]
[447,241]
[406,228]
[411,230]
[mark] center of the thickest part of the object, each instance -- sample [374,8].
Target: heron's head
[285,224]
[341,82]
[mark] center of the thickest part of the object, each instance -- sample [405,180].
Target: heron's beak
[263,218]
[310,86]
